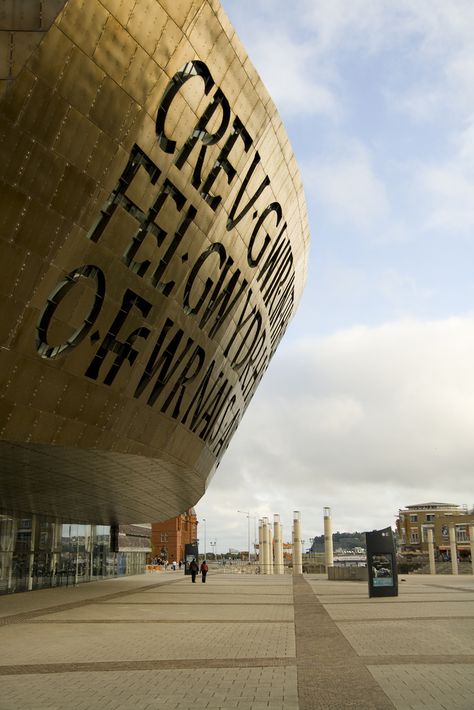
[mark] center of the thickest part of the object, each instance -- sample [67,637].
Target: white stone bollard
[297,551]
[471,539]
[453,550]
[431,551]
[278,545]
[328,546]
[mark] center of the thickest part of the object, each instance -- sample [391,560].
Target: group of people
[164,563]
[194,569]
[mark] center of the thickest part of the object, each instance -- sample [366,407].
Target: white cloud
[348,188]
[449,194]
[400,291]
[448,187]
[338,24]
[433,26]
[366,420]
[464,144]
[420,104]
[297,83]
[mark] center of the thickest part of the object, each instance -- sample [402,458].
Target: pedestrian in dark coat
[204,570]
[194,569]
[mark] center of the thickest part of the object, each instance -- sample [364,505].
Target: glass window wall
[37,553]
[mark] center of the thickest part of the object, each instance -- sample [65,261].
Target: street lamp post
[205,541]
[247,513]
[213,544]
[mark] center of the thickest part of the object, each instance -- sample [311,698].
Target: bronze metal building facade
[154,242]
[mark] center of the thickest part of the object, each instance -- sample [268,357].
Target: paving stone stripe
[105,666]
[213,603]
[451,588]
[377,619]
[158,621]
[466,659]
[331,675]
[375,602]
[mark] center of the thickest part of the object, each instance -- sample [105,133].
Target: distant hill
[346,540]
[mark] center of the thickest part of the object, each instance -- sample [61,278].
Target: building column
[34,524]
[270,547]
[431,551]
[90,540]
[328,546]
[76,572]
[471,540]
[260,545]
[265,550]
[281,559]
[57,546]
[10,546]
[278,543]
[453,550]
[297,558]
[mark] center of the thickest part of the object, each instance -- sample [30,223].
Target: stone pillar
[328,548]
[278,545]
[297,559]
[269,547]
[260,545]
[453,550]
[281,560]
[265,565]
[471,540]
[431,551]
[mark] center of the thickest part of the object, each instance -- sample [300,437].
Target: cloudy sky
[368,404]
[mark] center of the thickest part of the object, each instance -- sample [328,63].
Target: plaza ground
[239,641]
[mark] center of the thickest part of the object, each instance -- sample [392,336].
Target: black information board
[381,563]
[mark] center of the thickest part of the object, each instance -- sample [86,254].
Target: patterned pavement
[240,641]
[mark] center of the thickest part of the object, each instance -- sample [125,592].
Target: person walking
[204,570]
[194,569]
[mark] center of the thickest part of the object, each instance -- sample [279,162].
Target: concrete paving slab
[118,642]
[411,637]
[418,687]
[244,688]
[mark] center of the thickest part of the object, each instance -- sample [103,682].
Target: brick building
[169,537]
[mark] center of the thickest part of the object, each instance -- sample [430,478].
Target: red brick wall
[173,534]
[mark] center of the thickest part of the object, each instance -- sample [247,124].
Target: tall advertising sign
[381,563]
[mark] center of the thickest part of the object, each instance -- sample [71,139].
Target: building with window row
[414,521]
